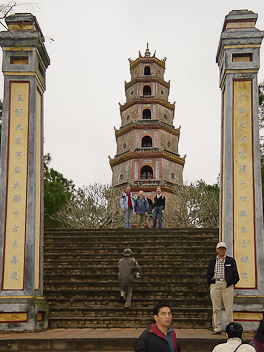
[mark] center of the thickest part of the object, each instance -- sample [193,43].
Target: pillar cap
[23,32]
[239,19]
[238,30]
[23,22]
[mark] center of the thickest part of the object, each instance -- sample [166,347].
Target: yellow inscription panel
[251,316]
[13,317]
[15,228]
[244,218]
[38,188]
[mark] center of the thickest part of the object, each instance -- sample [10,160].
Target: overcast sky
[89,50]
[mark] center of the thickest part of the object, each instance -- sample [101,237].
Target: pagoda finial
[147,52]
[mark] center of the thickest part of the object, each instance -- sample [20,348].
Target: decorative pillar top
[239,44]
[240,19]
[23,22]
[239,29]
[23,32]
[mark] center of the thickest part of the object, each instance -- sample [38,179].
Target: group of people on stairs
[140,205]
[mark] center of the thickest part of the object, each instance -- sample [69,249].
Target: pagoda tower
[147,142]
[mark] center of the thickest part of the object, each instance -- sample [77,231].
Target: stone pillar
[241,220]
[22,306]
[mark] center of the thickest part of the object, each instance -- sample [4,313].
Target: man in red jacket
[159,337]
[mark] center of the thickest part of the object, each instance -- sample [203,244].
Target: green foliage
[261,93]
[57,190]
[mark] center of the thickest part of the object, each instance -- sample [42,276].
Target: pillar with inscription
[241,220]
[22,306]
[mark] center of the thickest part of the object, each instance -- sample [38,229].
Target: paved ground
[110,333]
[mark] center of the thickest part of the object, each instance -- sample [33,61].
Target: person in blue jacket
[141,209]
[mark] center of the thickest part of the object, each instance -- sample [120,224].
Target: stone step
[112,257]
[134,241]
[120,241]
[112,277]
[126,322]
[66,270]
[116,231]
[140,284]
[111,252]
[136,302]
[155,293]
[97,311]
[119,244]
[114,261]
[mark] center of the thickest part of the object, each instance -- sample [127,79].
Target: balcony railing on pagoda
[146,96]
[147,149]
[146,183]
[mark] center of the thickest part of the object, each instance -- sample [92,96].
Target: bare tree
[90,207]
[193,205]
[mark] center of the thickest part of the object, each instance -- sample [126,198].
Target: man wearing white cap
[222,275]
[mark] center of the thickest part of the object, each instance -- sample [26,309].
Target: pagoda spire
[147,52]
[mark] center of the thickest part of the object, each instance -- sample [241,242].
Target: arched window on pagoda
[146,141]
[146,90]
[146,173]
[146,114]
[147,71]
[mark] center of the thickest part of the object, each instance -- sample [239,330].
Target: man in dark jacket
[159,207]
[222,275]
[159,337]
[126,276]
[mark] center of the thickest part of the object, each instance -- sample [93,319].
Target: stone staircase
[80,276]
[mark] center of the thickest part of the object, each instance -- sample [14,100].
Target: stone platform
[113,339]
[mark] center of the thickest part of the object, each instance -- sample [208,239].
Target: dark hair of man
[260,332]
[234,330]
[159,306]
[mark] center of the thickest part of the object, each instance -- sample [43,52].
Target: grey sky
[92,41]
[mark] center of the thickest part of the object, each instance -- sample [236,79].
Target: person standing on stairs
[141,209]
[126,276]
[159,337]
[127,203]
[159,207]
[222,275]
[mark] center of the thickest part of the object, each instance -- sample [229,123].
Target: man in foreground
[159,337]
[234,343]
[222,275]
